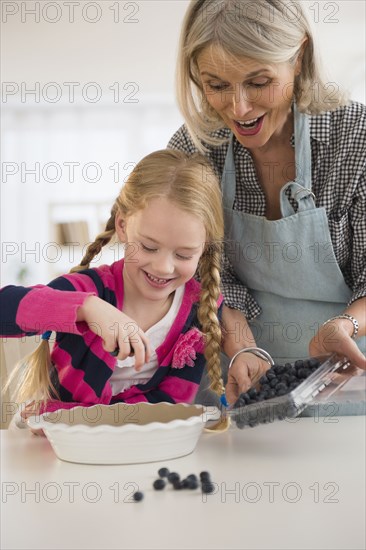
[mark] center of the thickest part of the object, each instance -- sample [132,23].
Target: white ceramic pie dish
[123,434]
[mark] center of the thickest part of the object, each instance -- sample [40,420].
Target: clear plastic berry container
[327,386]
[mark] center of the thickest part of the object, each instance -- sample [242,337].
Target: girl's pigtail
[101,240]
[207,315]
[31,377]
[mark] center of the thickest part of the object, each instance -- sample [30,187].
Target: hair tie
[46,335]
[223,400]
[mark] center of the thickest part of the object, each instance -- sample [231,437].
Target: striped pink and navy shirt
[82,369]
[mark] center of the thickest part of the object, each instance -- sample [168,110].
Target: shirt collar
[319,126]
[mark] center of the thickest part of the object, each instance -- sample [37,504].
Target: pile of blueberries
[279,380]
[189,482]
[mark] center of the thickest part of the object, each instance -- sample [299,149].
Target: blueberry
[265,387]
[193,483]
[262,396]
[193,477]
[271,376]
[303,373]
[173,476]
[207,487]
[163,472]
[246,397]
[263,380]
[273,383]
[178,484]
[281,386]
[313,363]
[205,476]
[299,364]
[271,393]
[138,496]
[159,484]
[252,393]
[281,392]
[240,402]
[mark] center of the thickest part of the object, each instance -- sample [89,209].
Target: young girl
[141,329]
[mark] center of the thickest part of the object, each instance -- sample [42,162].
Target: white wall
[141,46]
[132,50]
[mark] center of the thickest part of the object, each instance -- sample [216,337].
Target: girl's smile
[157,282]
[167,243]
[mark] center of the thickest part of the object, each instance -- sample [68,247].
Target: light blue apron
[288,265]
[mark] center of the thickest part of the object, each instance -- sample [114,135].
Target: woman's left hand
[335,337]
[245,372]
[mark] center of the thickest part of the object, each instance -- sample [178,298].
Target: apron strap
[302,195]
[302,148]
[228,180]
[300,188]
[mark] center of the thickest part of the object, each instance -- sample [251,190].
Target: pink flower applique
[188,345]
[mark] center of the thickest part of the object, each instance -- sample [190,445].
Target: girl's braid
[207,314]
[101,240]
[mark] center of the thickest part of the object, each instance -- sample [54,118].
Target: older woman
[291,154]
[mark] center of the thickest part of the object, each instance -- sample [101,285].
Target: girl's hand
[245,372]
[32,409]
[116,329]
[335,337]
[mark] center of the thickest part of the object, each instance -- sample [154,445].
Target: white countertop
[294,484]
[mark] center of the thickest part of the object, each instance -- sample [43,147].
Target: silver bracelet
[349,318]
[259,352]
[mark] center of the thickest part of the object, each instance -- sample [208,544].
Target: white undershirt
[125,375]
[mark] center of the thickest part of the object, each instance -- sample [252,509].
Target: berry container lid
[330,387]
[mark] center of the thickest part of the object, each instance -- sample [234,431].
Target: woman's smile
[250,127]
[253,99]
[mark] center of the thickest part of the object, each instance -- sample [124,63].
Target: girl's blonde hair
[270,31]
[190,184]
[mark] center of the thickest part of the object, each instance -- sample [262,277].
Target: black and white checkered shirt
[338,149]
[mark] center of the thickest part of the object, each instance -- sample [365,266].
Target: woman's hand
[247,368]
[245,372]
[336,337]
[116,329]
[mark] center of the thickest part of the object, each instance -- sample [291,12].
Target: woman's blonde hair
[189,183]
[270,31]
